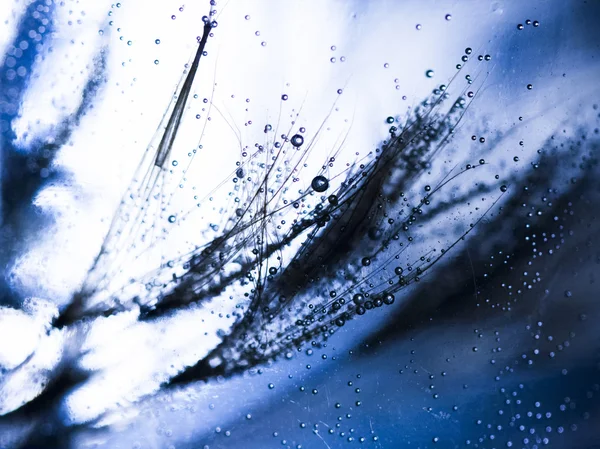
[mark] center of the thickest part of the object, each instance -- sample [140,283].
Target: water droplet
[172,218]
[320,183]
[297,140]
[448,16]
[429,73]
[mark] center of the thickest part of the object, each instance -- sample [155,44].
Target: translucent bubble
[418,27]
[172,218]
[157,41]
[320,183]
[429,73]
[297,140]
[448,16]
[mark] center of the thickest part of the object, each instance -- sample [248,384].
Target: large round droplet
[358,299]
[297,140]
[319,183]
